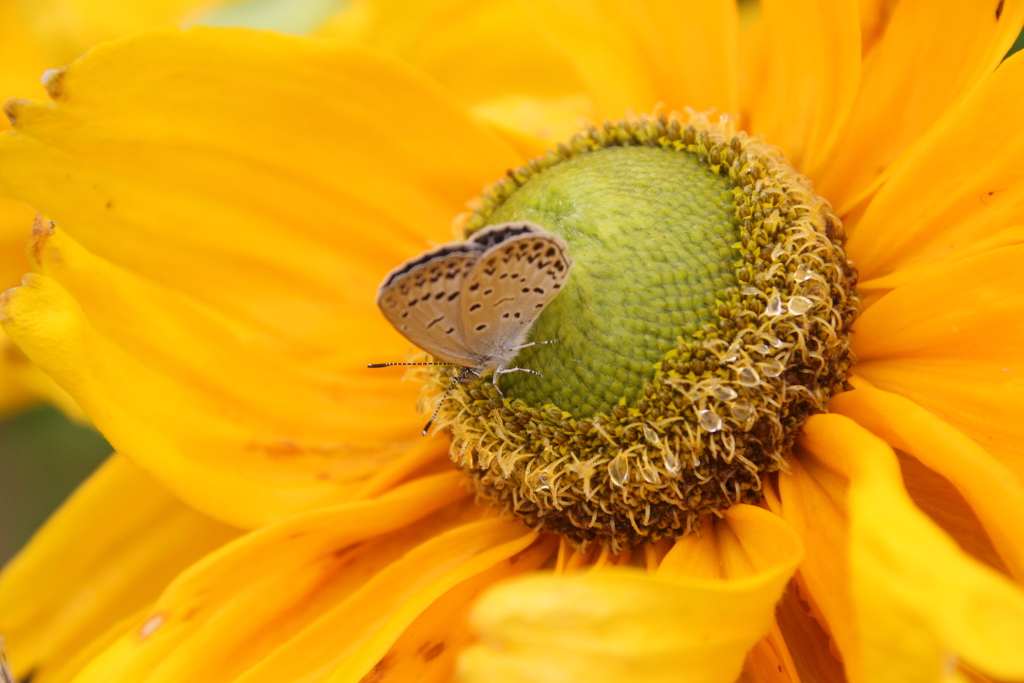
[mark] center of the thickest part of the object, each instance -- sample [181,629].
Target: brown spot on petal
[42,230]
[11,353]
[518,556]
[431,652]
[378,672]
[5,297]
[288,448]
[53,81]
[12,108]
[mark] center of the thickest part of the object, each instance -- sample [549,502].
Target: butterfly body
[472,303]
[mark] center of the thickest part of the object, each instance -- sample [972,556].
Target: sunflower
[218,207]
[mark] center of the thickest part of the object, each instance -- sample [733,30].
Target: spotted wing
[509,286]
[493,235]
[421,298]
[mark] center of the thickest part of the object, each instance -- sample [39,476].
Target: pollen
[707,317]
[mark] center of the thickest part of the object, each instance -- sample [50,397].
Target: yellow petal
[969,310]
[995,495]
[951,340]
[811,78]
[812,501]
[769,661]
[105,554]
[947,507]
[808,643]
[754,56]
[874,16]
[534,125]
[427,650]
[67,670]
[746,541]
[478,49]
[634,56]
[490,54]
[623,624]
[239,430]
[22,61]
[918,599]
[920,215]
[16,372]
[324,593]
[1007,237]
[931,56]
[482,567]
[230,242]
[67,28]
[323,160]
[976,397]
[21,382]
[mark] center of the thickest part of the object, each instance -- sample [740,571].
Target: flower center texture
[706,317]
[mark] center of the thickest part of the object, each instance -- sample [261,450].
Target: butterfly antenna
[458,378]
[388,365]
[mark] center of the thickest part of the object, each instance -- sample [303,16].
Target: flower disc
[707,317]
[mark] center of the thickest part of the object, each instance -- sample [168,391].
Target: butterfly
[472,303]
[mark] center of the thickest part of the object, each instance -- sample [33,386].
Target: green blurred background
[44,456]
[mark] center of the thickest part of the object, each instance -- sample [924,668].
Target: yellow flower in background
[226,202]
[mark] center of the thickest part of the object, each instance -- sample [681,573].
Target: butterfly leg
[523,346]
[504,371]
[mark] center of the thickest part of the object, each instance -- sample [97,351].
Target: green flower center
[651,232]
[706,317]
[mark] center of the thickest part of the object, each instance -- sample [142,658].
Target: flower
[226,202]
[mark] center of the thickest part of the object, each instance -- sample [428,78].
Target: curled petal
[918,600]
[988,486]
[952,340]
[621,624]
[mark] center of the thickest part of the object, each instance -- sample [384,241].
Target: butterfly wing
[493,235]
[421,299]
[522,270]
